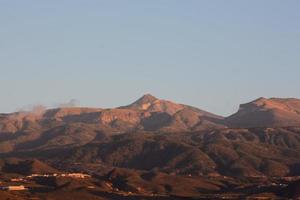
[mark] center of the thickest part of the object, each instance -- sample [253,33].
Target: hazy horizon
[212,55]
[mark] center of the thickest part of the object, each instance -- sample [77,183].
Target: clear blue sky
[210,54]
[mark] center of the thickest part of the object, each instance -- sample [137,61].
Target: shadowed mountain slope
[25,167]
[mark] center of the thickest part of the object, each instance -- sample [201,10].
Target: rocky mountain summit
[273,112]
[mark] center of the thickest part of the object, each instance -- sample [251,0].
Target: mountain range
[188,139]
[262,139]
[152,114]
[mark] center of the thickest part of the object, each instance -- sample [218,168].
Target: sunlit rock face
[152,104]
[273,112]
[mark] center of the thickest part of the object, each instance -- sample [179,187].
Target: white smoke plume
[71,103]
[33,109]
[39,108]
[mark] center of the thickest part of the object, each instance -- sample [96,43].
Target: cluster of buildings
[71,175]
[13,188]
[32,176]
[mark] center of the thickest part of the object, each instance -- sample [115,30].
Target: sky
[213,55]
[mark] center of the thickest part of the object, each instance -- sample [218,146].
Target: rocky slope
[274,112]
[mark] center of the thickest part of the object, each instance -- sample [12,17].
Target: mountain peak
[144,102]
[147,98]
[152,104]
